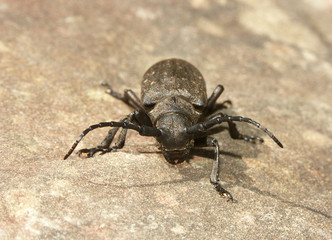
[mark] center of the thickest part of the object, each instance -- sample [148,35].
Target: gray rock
[274,60]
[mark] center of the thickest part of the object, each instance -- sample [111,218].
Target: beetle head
[175,142]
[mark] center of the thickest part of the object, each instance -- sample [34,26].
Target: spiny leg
[201,128]
[209,141]
[129,97]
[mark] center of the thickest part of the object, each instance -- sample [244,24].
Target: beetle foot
[108,87]
[252,139]
[226,104]
[89,152]
[223,192]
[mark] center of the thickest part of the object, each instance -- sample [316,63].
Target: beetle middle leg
[211,102]
[137,117]
[235,134]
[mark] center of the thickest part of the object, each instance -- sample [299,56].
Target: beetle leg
[209,141]
[129,97]
[104,147]
[143,131]
[211,103]
[235,134]
[137,116]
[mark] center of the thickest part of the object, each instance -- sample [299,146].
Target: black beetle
[174,109]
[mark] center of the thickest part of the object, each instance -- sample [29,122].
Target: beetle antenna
[220,117]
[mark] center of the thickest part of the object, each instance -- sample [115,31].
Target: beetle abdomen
[173,77]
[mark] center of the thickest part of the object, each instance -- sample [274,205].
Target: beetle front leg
[215,170]
[139,117]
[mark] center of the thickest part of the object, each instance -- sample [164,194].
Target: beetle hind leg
[129,97]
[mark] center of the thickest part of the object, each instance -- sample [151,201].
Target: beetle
[174,109]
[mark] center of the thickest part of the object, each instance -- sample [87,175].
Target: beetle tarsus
[251,139]
[90,152]
[215,170]
[223,192]
[225,104]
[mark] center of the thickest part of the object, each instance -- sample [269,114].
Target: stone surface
[274,59]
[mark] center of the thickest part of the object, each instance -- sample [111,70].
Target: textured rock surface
[274,59]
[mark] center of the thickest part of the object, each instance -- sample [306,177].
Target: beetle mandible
[174,109]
